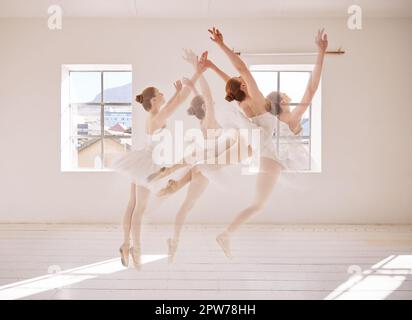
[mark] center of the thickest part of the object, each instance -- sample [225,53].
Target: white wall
[366,116]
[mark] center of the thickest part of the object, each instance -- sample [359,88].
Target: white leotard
[267,123]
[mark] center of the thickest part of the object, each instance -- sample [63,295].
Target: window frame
[277,70]
[73,136]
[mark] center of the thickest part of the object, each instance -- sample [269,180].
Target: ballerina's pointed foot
[124,255]
[172,247]
[224,242]
[136,257]
[157,175]
[169,189]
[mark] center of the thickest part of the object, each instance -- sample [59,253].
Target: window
[96,115]
[303,151]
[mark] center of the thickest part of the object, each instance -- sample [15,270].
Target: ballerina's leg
[165,171]
[174,186]
[265,183]
[126,224]
[142,196]
[196,188]
[127,217]
[184,180]
[235,151]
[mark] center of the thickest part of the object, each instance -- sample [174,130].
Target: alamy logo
[215,147]
[56,16]
[355,18]
[54,269]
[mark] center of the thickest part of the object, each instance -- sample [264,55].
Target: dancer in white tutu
[226,148]
[137,165]
[224,145]
[293,155]
[256,107]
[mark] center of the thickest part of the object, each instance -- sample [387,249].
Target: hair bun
[191,111]
[230,97]
[139,98]
[274,99]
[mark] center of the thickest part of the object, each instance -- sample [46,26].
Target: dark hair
[233,91]
[274,99]
[145,97]
[196,107]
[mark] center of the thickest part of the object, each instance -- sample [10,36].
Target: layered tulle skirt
[136,166]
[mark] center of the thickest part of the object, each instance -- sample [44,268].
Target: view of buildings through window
[100,115]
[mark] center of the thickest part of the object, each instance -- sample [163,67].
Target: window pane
[118,132]
[117,87]
[88,152]
[294,84]
[85,119]
[305,123]
[118,120]
[266,81]
[84,86]
[114,146]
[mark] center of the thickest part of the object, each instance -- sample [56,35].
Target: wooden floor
[271,262]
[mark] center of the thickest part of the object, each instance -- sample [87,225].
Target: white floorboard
[271,262]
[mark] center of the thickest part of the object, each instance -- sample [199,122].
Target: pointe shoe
[157,175]
[172,247]
[124,255]
[224,242]
[135,253]
[169,189]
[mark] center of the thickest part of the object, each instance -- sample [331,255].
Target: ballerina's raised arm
[209,120]
[182,92]
[314,80]
[250,86]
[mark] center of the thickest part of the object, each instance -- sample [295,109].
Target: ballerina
[293,156]
[256,107]
[202,107]
[139,163]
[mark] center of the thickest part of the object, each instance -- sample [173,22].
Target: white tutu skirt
[268,150]
[294,157]
[137,165]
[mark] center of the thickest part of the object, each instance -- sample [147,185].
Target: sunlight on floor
[37,285]
[376,283]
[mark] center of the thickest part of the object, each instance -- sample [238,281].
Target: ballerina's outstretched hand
[217,36]
[190,57]
[322,40]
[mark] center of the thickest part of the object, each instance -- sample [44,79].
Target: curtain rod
[334,52]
